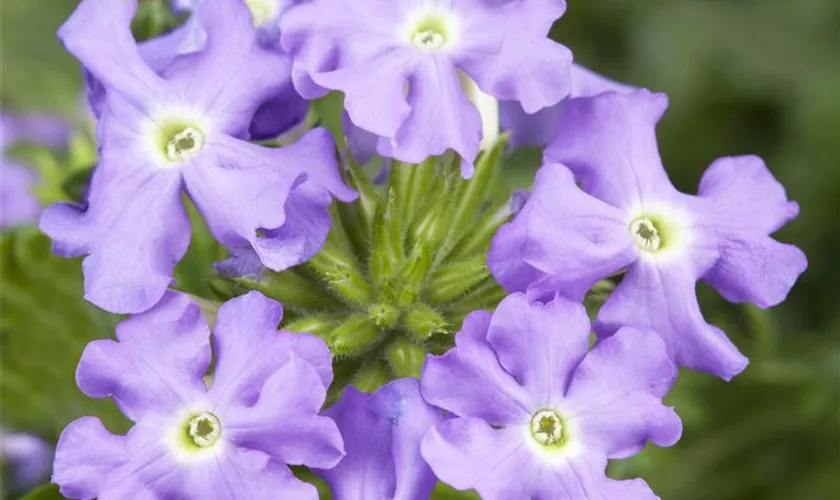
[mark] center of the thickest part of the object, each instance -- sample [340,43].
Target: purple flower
[632,218]
[539,129]
[382,434]
[277,114]
[161,137]
[29,458]
[401,65]
[538,416]
[18,204]
[231,440]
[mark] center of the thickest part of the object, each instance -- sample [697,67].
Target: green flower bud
[355,335]
[456,279]
[405,358]
[421,322]
[372,375]
[320,325]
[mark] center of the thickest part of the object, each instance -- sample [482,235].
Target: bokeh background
[743,76]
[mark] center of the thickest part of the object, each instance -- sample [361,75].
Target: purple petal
[134,229]
[430,129]
[233,75]
[368,469]
[374,103]
[284,421]
[746,204]
[484,389]
[540,344]
[616,395]
[562,240]
[86,456]
[248,348]
[508,54]
[28,457]
[538,129]
[609,141]
[156,365]
[279,114]
[662,299]
[117,64]
[401,403]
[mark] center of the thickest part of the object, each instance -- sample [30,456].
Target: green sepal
[320,325]
[479,236]
[353,336]
[405,357]
[387,254]
[486,295]
[413,274]
[292,289]
[422,179]
[421,322]
[372,375]
[358,218]
[384,315]
[471,195]
[456,279]
[341,272]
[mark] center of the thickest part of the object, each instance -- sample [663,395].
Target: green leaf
[44,492]
[45,325]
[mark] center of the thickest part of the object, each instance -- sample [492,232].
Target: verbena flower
[279,112]
[538,129]
[382,434]
[161,137]
[230,440]
[536,415]
[632,218]
[401,65]
[18,204]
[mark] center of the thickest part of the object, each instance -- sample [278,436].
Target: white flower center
[204,429]
[547,428]
[431,30]
[184,145]
[646,234]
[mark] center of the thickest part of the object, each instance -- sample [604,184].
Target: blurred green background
[743,76]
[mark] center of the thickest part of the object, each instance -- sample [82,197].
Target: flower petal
[562,240]
[157,363]
[441,117]
[234,74]
[368,469]
[609,142]
[540,344]
[616,394]
[248,348]
[484,389]
[135,230]
[117,64]
[743,205]
[85,457]
[284,422]
[662,299]
[526,66]
[401,403]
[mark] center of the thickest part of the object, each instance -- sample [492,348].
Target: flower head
[27,456]
[402,65]
[162,137]
[631,217]
[537,416]
[382,434]
[231,440]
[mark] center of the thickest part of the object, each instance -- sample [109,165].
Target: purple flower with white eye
[538,129]
[280,112]
[401,65]
[537,416]
[632,218]
[18,204]
[230,440]
[382,434]
[161,137]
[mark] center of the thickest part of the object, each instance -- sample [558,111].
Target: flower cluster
[515,405]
